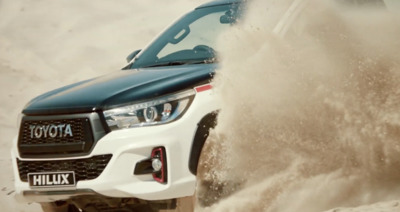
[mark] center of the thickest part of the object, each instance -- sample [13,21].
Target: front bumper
[128,147]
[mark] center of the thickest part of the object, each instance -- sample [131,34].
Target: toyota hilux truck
[130,140]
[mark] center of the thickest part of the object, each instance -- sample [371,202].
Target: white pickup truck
[130,140]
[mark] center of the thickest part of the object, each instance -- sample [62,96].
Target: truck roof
[219,2]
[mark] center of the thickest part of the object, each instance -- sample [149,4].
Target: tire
[59,206]
[211,185]
[209,189]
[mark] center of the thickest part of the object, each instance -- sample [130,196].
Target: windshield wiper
[183,62]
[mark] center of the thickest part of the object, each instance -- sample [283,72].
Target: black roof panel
[219,2]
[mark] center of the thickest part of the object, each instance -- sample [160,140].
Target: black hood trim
[119,88]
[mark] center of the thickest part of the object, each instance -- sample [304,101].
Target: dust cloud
[309,121]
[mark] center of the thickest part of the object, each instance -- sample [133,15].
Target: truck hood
[119,88]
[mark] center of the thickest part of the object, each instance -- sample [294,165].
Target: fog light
[156,164]
[159,164]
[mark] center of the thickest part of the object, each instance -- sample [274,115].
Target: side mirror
[228,18]
[132,55]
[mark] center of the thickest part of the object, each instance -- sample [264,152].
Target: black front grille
[55,137]
[79,129]
[85,169]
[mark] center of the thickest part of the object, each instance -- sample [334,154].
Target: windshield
[192,39]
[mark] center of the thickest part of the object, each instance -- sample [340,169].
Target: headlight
[158,111]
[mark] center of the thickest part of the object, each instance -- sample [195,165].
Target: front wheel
[213,181]
[59,206]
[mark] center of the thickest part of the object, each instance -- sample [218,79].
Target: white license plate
[51,179]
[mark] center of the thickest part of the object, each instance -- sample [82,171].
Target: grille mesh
[54,137]
[85,169]
[78,127]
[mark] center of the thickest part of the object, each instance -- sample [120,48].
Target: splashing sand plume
[309,121]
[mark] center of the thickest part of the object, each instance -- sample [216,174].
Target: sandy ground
[45,44]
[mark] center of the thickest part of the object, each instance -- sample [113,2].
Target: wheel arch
[208,122]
